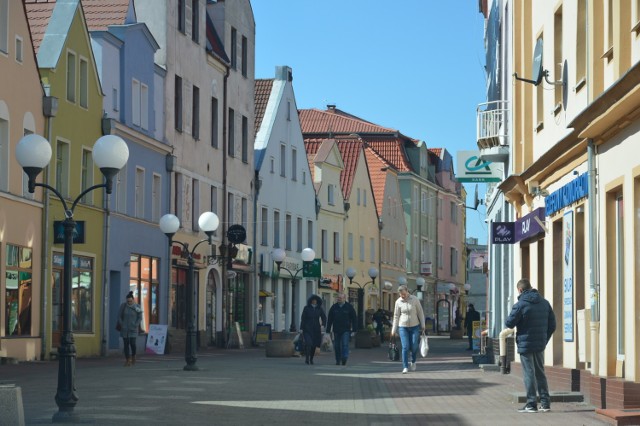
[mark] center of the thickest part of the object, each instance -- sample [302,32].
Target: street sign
[236,234]
[312,269]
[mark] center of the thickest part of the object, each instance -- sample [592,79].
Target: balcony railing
[492,124]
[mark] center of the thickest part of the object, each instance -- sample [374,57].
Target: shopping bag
[394,352]
[327,345]
[424,345]
[298,343]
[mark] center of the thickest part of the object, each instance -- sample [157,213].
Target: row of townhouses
[561,120]
[175,81]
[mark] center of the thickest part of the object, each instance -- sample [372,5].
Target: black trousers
[129,346]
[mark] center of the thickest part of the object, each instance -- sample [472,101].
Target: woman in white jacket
[408,321]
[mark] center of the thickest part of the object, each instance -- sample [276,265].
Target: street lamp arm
[86,191]
[206,240]
[294,276]
[59,195]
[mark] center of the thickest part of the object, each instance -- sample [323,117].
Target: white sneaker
[405,370]
[412,366]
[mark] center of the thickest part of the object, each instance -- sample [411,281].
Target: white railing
[491,123]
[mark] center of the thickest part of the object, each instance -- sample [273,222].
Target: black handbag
[394,352]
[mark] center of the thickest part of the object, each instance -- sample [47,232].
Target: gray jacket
[129,318]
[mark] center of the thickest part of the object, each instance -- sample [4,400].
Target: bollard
[11,405]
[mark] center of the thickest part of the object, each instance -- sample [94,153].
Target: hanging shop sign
[530,225]
[472,169]
[568,194]
[503,232]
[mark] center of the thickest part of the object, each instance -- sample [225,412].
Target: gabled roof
[38,12]
[378,177]
[100,14]
[314,121]
[262,93]
[350,148]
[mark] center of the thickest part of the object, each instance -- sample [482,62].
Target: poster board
[239,331]
[156,339]
[263,333]
[478,326]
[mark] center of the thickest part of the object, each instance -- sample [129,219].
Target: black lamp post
[33,152]
[169,224]
[307,256]
[351,273]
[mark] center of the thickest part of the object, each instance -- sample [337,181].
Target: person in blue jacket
[535,322]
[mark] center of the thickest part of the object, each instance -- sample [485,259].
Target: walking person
[381,320]
[343,320]
[472,315]
[535,322]
[408,321]
[312,316]
[129,319]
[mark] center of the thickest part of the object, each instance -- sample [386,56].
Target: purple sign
[503,232]
[527,226]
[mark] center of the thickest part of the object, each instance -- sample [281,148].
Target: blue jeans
[534,377]
[410,338]
[341,345]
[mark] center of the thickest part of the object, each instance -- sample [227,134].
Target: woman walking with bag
[408,321]
[312,315]
[129,319]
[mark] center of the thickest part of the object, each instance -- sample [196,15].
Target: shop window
[144,283]
[18,288]
[81,292]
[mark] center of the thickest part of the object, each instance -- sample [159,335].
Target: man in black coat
[472,315]
[343,320]
[535,322]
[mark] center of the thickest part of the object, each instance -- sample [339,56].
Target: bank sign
[472,169]
[568,194]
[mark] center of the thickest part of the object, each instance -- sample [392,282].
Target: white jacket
[407,313]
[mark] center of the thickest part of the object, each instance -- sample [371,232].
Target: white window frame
[19,44]
[86,174]
[135,102]
[4,25]
[139,192]
[72,76]
[83,82]
[156,197]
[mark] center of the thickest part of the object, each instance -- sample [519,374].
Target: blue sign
[568,194]
[58,232]
[503,233]
[528,226]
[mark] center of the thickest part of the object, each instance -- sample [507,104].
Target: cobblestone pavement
[244,387]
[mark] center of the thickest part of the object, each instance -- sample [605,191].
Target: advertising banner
[567,311]
[503,232]
[156,339]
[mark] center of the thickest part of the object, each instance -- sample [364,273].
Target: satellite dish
[538,73]
[565,84]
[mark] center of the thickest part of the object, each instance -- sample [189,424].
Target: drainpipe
[254,261]
[226,304]
[50,109]
[435,271]
[594,280]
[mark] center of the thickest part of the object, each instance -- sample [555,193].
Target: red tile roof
[99,14]
[436,151]
[378,177]
[262,94]
[350,148]
[314,121]
[38,12]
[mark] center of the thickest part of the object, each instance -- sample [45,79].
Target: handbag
[424,345]
[394,351]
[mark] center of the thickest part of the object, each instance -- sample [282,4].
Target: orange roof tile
[99,14]
[349,147]
[378,177]
[262,94]
[314,121]
[436,151]
[38,12]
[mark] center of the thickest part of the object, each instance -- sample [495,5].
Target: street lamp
[307,255]
[351,272]
[419,284]
[33,152]
[169,224]
[467,287]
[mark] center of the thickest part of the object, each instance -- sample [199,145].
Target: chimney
[331,107]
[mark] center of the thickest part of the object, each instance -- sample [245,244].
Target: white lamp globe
[420,282]
[279,255]
[33,151]
[373,272]
[402,281]
[208,221]
[308,255]
[169,224]
[110,152]
[350,272]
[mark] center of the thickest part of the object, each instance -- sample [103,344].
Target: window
[424,251]
[144,106]
[396,254]
[294,163]
[144,282]
[304,177]
[139,192]
[439,208]
[364,198]
[18,291]
[272,165]
[608,44]
[581,45]
[195,21]
[264,226]
[214,122]
[358,197]
[245,56]
[325,245]
[19,53]
[120,191]
[81,293]
[372,250]
[439,255]
[230,208]
[454,212]
[71,76]
[234,48]
[84,83]
[86,176]
[361,248]
[178,103]
[330,195]
[539,103]
[310,234]
[619,271]
[244,205]
[195,204]
[214,203]
[299,234]
[135,102]
[287,232]
[288,110]
[4,26]
[557,59]
[181,16]
[4,155]
[195,117]
[336,247]
[423,203]
[283,160]
[156,197]
[245,139]
[350,246]
[276,229]
[454,261]
[62,168]
[231,148]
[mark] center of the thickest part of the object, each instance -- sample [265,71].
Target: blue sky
[413,65]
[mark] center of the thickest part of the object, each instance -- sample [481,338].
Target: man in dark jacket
[535,322]
[343,319]
[472,315]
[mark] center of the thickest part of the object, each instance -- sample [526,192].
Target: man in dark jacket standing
[472,315]
[343,319]
[535,322]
